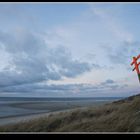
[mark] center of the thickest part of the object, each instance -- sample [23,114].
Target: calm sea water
[20,106]
[13,99]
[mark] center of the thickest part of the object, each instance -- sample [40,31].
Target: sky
[69,49]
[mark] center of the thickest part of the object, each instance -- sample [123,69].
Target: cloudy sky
[69,50]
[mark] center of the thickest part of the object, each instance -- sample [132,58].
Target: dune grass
[119,116]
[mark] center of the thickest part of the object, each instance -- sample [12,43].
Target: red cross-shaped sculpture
[136,64]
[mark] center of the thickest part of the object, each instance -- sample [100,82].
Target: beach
[24,109]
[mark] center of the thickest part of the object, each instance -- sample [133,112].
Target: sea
[20,106]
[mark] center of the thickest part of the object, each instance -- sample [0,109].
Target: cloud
[69,90]
[31,60]
[109,17]
[108,81]
[126,46]
[123,53]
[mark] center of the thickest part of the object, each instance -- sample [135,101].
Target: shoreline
[19,118]
[25,118]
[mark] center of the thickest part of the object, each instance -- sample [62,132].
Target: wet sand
[28,110]
[24,118]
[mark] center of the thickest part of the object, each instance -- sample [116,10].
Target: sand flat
[21,111]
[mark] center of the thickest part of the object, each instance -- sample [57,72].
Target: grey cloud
[35,62]
[64,90]
[124,53]
[111,85]
[89,56]
[108,82]
[67,90]
[96,66]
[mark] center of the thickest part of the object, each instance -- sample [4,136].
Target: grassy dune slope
[119,116]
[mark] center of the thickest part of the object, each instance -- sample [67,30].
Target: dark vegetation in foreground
[119,116]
